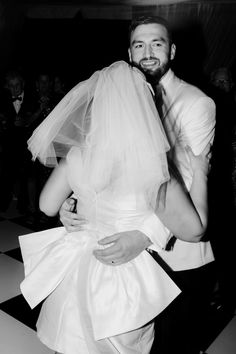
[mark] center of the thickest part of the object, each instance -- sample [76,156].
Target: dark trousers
[180,328]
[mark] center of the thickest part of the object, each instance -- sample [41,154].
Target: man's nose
[148,51]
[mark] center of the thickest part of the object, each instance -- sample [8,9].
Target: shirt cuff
[158,234]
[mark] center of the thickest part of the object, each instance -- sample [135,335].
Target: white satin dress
[87,301]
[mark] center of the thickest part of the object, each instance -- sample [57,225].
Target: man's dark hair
[145,20]
[14,74]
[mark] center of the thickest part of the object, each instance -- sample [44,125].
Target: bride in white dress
[112,151]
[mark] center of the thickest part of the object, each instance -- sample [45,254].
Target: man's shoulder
[187,90]
[187,96]
[5,100]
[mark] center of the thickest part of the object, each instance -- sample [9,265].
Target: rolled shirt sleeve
[196,130]
[198,125]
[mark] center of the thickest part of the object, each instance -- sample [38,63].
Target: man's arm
[198,125]
[188,222]
[125,245]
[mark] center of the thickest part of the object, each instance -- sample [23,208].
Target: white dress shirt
[17,104]
[188,119]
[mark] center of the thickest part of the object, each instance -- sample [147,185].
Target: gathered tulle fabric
[112,118]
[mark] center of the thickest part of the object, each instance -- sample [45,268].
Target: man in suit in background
[16,107]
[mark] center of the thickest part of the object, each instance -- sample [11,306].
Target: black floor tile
[15,253]
[18,308]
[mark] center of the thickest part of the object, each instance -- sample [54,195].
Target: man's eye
[138,46]
[157,44]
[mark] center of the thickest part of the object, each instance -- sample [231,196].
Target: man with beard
[188,116]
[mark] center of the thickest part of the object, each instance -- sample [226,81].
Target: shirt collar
[21,95]
[165,80]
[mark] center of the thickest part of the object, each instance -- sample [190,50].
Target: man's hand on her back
[69,218]
[121,247]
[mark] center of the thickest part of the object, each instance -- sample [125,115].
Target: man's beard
[153,77]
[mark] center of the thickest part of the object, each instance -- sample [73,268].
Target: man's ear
[172,51]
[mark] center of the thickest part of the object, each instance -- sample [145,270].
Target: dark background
[75,38]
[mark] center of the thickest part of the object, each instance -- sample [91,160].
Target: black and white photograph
[117,177]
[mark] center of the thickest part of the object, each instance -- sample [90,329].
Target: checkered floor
[17,320]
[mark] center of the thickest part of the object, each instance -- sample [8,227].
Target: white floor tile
[11,275]
[9,232]
[16,338]
[225,343]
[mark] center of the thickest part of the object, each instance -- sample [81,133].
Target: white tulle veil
[112,119]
